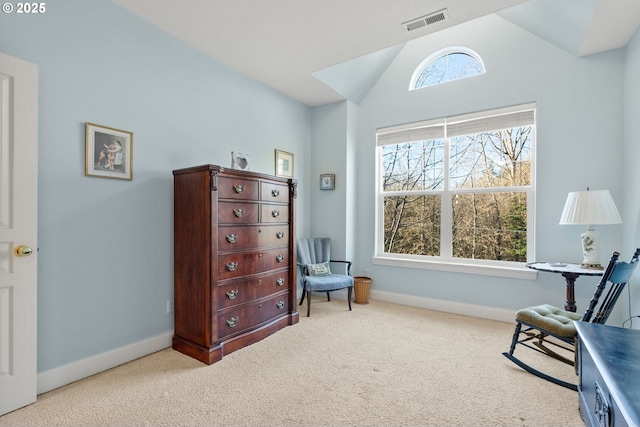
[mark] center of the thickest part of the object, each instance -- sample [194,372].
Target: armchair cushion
[321,269]
[330,282]
[550,318]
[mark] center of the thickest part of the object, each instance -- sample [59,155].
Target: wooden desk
[570,272]
[609,390]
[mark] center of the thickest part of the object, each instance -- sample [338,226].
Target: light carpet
[380,365]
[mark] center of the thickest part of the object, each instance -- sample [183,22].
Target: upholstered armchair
[314,262]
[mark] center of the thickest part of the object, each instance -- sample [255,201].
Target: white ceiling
[322,51]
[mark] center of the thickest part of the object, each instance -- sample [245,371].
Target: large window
[458,189]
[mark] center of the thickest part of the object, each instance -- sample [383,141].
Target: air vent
[426,20]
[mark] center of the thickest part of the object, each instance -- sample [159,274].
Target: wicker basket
[362,286]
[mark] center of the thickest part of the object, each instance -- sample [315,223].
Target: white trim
[480,311]
[454,307]
[514,271]
[66,374]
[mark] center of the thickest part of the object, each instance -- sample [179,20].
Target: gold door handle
[23,250]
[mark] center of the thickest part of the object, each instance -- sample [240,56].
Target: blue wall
[106,246]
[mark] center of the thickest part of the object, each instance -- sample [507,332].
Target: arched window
[448,64]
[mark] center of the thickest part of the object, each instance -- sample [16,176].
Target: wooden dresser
[234,259]
[609,368]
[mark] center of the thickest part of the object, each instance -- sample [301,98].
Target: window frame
[446,261]
[435,56]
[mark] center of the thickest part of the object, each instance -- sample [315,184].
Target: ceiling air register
[424,21]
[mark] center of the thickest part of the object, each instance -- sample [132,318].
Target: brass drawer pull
[231,266]
[275,213]
[279,234]
[275,192]
[233,322]
[280,258]
[232,294]
[280,304]
[239,213]
[232,238]
[279,281]
[238,188]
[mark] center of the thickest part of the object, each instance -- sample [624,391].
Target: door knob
[23,250]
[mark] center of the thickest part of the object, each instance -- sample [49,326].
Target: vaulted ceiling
[322,51]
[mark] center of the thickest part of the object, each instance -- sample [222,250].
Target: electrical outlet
[169,306]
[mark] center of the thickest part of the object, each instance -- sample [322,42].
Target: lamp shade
[590,208]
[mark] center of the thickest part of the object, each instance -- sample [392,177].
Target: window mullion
[446,239]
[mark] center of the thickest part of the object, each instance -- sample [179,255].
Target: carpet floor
[381,364]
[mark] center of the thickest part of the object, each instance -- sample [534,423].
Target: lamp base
[590,250]
[591,266]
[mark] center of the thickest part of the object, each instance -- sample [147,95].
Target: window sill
[513,270]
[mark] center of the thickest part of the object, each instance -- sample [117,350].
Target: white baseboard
[63,375]
[483,312]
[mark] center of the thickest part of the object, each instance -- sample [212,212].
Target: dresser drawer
[241,291]
[243,317]
[274,213]
[245,263]
[274,192]
[273,235]
[248,237]
[237,213]
[237,188]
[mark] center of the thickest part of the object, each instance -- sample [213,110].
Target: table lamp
[590,208]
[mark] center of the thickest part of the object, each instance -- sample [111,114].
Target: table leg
[570,304]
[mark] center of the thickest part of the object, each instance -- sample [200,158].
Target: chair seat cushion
[550,318]
[328,283]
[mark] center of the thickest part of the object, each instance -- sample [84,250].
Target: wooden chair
[545,326]
[314,259]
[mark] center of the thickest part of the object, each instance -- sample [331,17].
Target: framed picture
[240,161]
[327,181]
[284,164]
[109,152]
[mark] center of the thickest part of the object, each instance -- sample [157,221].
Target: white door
[18,232]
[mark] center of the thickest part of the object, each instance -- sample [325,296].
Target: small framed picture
[327,181]
[240,161]
[284,164]
[109,152]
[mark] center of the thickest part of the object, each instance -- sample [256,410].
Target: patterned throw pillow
[318,269]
